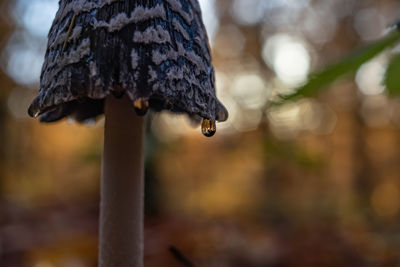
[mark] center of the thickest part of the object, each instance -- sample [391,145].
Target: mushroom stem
[122,186]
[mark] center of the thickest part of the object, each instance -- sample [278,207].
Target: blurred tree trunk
[363,170]
[5,83]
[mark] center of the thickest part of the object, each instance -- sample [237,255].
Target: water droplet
[141,106]
[208,127]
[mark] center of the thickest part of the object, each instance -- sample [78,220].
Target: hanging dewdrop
[121,58]
[208,127]
[141,106]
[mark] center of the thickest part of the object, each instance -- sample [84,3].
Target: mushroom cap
[153,50]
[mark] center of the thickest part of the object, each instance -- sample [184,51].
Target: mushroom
[121,58]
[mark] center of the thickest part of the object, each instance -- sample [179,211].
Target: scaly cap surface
[155,51]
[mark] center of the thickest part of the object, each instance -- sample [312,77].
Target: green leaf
[350,64]
[392,77]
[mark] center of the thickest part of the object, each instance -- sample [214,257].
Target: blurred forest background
[310,183]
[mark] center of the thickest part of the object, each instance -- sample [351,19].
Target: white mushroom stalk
[122,186]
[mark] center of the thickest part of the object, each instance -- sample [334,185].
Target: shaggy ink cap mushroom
[156,52]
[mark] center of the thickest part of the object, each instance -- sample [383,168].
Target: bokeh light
[35,16]
[288,57]
[370,77]
[210,18]
[366,30]
[25,51]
